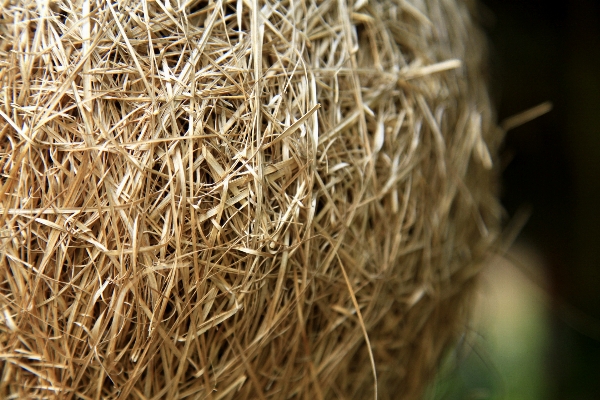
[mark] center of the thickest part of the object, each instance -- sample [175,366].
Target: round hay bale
[239,199]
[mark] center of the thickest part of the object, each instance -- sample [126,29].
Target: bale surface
[239,199]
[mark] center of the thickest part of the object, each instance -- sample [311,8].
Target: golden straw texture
[239,199]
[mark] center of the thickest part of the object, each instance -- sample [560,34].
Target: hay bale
[239,199]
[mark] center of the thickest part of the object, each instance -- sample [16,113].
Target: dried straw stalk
[238,199]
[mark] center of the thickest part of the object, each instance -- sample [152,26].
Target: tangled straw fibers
[239,199]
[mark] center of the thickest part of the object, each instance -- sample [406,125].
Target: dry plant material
[239,199]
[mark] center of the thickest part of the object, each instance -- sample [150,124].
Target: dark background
[550,50]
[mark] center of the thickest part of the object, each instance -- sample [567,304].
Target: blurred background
[539,334]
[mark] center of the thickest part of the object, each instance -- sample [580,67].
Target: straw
[239,199]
